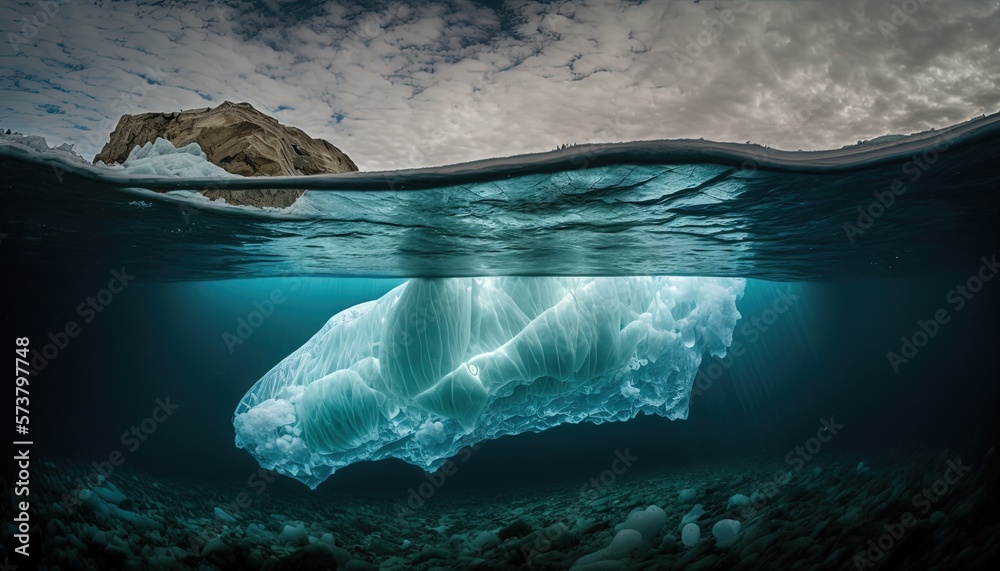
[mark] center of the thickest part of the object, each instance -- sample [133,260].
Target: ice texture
[436,365]
[162,158]
[39,147]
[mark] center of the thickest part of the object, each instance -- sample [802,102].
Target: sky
[410,84]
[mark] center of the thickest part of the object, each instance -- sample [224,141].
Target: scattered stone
[429,552]
[485,540]
[692,516]
[317,557]
[519,528]
[359,565]
[257,533]
[110,495]
[624,542]
[813,524]
[737,500]
[340,554]
[690,534]
[726,531]
[710,561]
[219,513]
[851,517]
[647,522]
[218,552]
[294,535]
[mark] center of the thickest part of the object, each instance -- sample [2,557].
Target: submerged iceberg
[439,364]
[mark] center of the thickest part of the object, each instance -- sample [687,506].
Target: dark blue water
[861,292]
[905,207]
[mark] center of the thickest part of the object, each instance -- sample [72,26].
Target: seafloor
[904,509]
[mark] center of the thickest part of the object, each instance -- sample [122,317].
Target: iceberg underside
[439,364]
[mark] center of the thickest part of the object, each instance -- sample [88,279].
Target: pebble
[820,522]
[518,528]
[294,535]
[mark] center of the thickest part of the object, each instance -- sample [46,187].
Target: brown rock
[238,138]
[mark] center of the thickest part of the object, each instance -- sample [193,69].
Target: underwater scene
[663,348]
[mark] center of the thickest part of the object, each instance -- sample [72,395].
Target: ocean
[847,420]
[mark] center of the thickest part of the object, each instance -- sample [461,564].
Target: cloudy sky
[409,84]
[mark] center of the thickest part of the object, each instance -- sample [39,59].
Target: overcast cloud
[399,85]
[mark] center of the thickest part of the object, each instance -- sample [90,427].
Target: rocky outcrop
[238,138]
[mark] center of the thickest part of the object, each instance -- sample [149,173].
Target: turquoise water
[657,208]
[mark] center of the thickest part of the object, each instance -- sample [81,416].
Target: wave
[867,154]
[892,206]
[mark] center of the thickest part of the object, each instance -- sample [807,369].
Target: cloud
[399,85]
